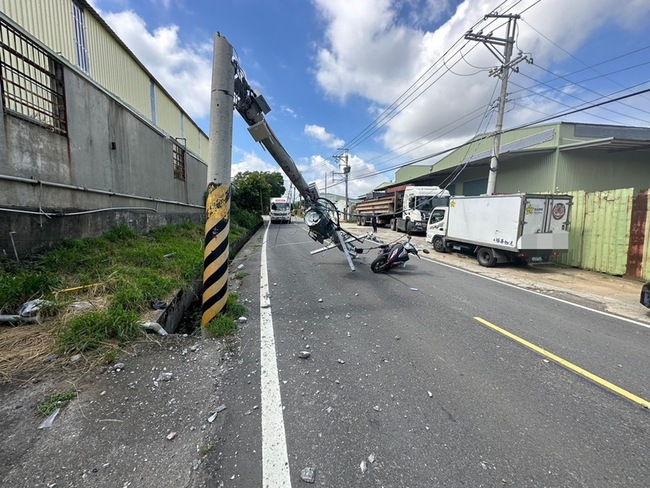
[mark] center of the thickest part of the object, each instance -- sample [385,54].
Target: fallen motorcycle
[393,255]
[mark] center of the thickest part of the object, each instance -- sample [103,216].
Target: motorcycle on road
[393,255]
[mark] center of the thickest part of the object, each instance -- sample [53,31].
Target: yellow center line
[576,369]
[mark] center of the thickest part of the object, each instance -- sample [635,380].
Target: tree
[253,189]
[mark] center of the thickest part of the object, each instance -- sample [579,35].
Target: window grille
[31,81]
[179,161]
[80,37]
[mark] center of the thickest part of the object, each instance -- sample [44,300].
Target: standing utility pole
[503,71]
[217,206]
[346,174]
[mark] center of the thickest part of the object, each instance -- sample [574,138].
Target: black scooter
[393,255]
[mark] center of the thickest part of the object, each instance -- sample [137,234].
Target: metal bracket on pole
[502,71]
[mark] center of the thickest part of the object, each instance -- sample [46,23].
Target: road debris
[304,354]
[364,466]
[212,417]
[171,435]
[47,423]
[164,376]
[308,475]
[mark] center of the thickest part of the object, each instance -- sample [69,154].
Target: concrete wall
[119,165]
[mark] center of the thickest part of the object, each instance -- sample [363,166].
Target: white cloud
[321,135]
[185,71]
[371,51]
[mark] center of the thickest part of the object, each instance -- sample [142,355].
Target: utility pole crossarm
[502,71]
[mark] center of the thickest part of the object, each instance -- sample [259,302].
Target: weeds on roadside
[121,273]
[226,323]
[93,329]
[56,400]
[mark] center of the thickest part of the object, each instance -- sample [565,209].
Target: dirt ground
[150,418]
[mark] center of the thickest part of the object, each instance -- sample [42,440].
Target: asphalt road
[425,377]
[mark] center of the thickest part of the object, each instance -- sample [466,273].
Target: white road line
[600,312]
[275,461]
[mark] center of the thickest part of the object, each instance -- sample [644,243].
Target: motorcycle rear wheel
[379,265]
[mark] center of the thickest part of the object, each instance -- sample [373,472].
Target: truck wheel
[409,227]
[486,257]
[438,244]
[379,264]
[359,222]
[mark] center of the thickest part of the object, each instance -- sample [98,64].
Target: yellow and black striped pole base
[215,257]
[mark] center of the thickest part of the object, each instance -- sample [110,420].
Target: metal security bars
[179,161]
[31,81]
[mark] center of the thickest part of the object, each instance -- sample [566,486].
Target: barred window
[179,161]
[31,80]
[80,37]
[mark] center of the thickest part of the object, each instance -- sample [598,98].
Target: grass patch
[56,400]
[239,275]
[206,449]
[98,328]
[225,324]
[120,273]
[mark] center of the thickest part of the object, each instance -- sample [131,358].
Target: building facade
[89,138]
[552,158]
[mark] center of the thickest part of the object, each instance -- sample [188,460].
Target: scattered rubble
[308,475]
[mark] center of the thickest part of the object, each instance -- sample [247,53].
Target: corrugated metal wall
[606,234]
[114,70]
[532,174]
[599,236]
[168,115]
[50,21]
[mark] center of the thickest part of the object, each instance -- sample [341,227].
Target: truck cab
[280,210]
[417,204]
[437,228]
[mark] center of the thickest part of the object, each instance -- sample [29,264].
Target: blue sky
[344,73]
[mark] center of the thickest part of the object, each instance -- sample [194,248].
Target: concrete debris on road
[363,466]
[220,408]
[308,475]
[164,376]
[304,354]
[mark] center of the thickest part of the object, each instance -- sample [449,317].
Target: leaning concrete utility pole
[217,206]
[503,71]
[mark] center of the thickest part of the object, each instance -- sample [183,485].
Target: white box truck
[280,210]
[519,227]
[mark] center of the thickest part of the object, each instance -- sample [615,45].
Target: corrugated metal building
[554,158]
[89,140]
[75,31]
